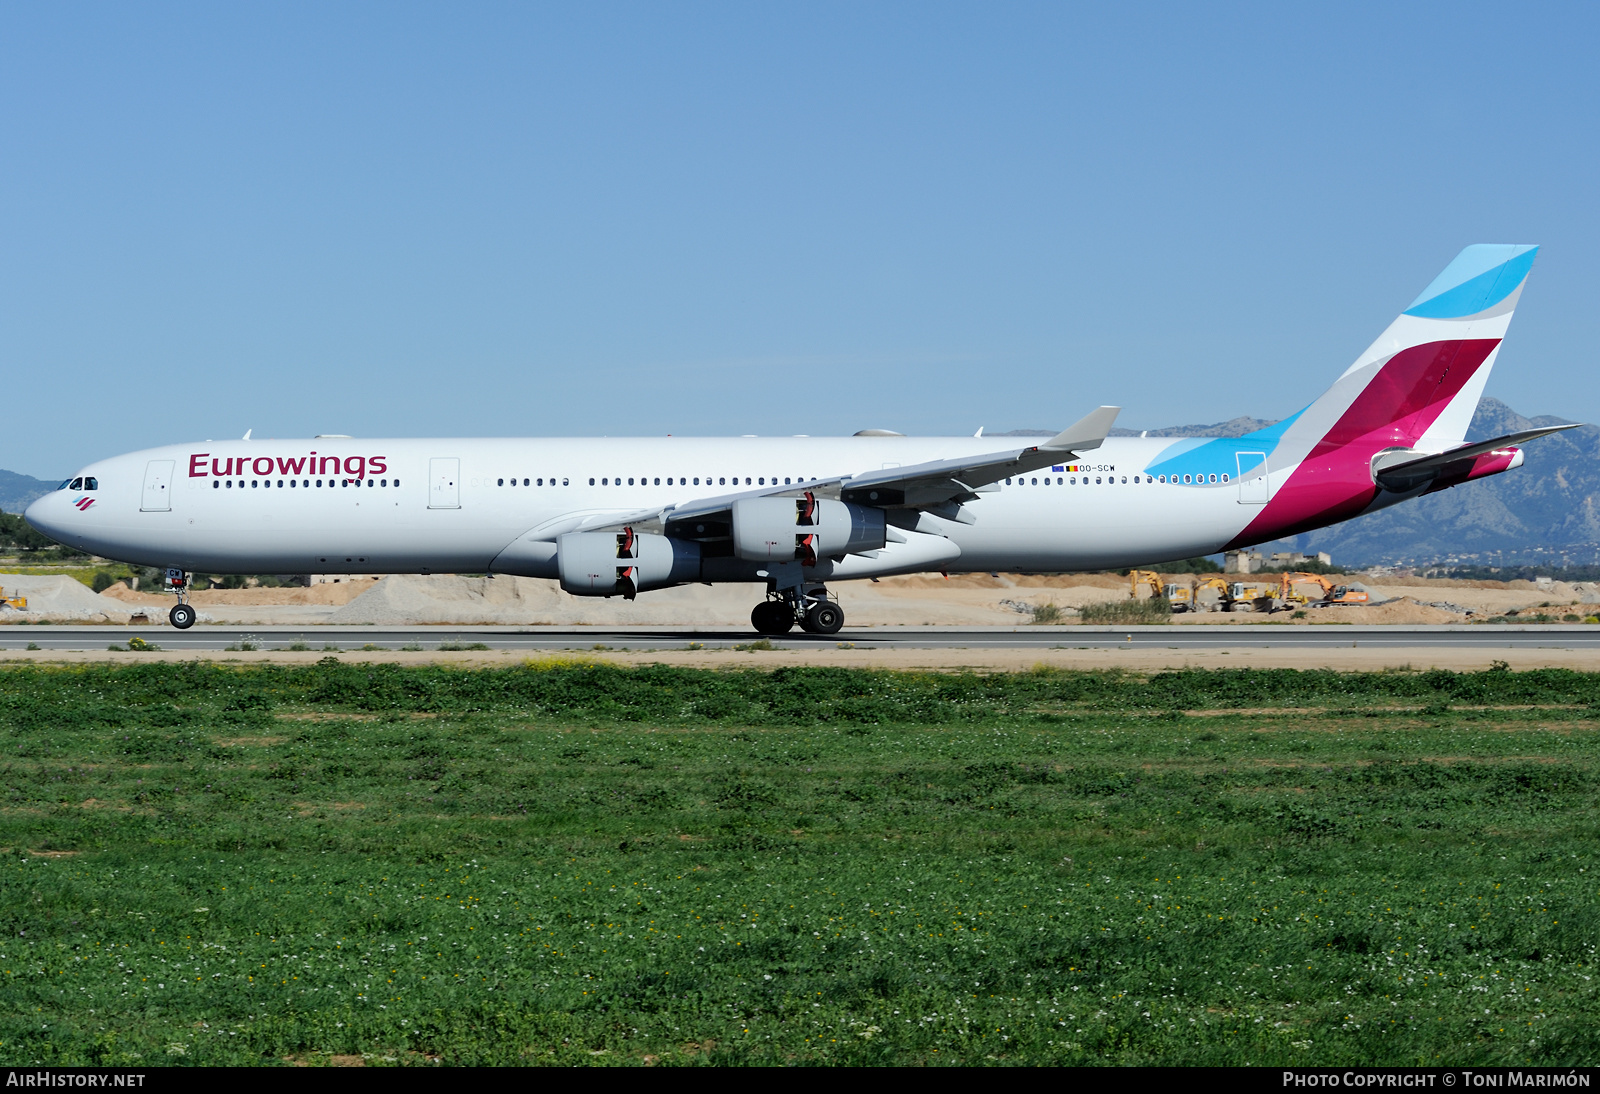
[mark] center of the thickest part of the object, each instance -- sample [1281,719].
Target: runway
[1582,637]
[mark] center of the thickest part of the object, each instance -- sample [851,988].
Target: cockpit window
[76,484]
[91,483]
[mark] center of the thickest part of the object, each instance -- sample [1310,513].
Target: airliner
[619,517]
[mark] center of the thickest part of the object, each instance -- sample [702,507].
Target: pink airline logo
[82,503]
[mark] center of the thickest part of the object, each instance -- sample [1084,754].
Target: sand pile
[442,598]
[58,597]
[323,593]
[514,601]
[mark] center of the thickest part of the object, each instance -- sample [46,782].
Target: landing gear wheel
[772,617]
[181,616]
[824,617]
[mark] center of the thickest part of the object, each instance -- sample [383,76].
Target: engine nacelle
[804,529]
[623,563]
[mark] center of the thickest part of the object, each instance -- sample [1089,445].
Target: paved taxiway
[1577,637]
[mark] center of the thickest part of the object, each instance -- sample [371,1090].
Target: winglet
[1086,433]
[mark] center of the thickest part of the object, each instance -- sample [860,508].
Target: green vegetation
[1309,566]
[576,863]
[1047,614]
[1514,573]
[1156,609]
[1198,565]
[18,538]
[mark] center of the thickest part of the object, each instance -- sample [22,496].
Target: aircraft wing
[940,486]
[1400,468]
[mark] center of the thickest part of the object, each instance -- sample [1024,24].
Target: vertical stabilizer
[1415,388]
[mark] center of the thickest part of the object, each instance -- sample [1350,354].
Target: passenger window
[630,481]
[747,480]
[605,482]
[215,485]
[306,483]
[1035,482]
[591,482]
[658,482]
[1124,480]
[499,482]
[761,482]
[1213,478]
[723,482]
[1224,478]
[254,484]
[697,480]
[786,480]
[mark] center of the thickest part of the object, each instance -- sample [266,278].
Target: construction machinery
[1149,578]
[1220,601]
[1180,597]
[1246,598]
[20,603]
[1331,594]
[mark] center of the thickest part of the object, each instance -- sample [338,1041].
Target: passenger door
[1254,487]
[444,483]
[157,497]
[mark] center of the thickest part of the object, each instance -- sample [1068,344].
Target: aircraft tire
[824,618]
[772,617]
[181,616]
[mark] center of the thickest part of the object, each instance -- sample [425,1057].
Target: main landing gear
[182,614]
[815,613]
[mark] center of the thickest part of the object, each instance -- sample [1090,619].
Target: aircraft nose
[45,514]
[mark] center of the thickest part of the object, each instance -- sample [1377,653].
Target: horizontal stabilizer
[1408,467]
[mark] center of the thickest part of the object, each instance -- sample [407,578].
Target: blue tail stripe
[1467,288]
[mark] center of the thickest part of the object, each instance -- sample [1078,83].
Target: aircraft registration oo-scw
[610,517]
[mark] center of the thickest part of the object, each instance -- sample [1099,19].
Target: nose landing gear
[182,615]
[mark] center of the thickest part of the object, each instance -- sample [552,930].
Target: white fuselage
[374,506]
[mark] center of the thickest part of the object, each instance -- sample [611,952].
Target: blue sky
[487,219]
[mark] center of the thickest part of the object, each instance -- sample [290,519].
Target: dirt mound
[57,596]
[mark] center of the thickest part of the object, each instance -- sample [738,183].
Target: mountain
[1234,427]
[16,491]
[1546,511]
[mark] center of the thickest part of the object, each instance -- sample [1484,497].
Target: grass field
[585,864]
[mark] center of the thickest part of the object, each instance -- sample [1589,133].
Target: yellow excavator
[18,602]
[1250,598]
[1149,578]
[1181,597]
[1223,601]
[1331,593]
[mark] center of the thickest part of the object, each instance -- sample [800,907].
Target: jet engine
[624,563]
[804,529]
